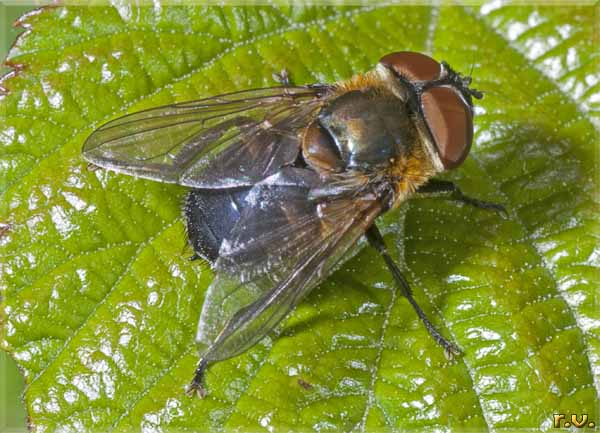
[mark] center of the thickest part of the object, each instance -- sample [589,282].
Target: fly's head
[440,101]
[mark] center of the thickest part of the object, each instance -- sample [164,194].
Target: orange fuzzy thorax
[409,172]
[368,80]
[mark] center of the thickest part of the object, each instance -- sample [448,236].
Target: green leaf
[99,302]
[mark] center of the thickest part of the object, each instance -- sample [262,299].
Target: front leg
[284,79]
[436,186]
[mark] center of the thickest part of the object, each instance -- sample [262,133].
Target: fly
[285,180]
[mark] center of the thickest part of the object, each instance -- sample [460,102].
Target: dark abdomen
[210,215]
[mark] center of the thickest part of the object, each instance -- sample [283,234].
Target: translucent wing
[225,141]
[281,248]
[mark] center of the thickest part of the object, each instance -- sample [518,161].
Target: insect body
[285,180]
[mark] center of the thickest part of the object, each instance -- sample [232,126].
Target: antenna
[472,64]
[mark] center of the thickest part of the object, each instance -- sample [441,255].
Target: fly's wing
[225,141]
[283,246]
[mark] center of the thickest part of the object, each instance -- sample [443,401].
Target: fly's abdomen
[210,215]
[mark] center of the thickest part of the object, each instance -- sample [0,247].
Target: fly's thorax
[407,172]
[368,136]
[362,127]
[368,128]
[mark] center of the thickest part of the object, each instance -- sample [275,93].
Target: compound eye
[412,66]
[451,123]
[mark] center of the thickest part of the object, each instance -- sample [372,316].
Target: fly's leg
[376,241]
[435,186]
[4,229]
[283,78]
[92,167]
[196,386]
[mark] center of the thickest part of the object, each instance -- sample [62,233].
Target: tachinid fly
[285,180]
